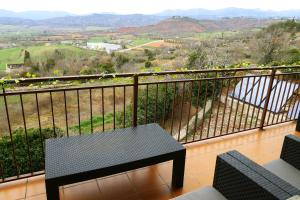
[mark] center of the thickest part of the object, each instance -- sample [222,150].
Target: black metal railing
[191,105]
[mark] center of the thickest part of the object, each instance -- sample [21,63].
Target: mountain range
[33,15]
[64,19]
[230,12]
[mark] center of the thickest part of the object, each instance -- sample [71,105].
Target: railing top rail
[127,75]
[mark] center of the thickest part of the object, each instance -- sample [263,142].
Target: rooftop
[154,182]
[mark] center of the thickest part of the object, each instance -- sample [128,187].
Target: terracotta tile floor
[154,182]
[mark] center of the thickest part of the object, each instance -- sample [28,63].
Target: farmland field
[141,41]
[40,53]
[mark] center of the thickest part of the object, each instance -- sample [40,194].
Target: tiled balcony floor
[154,182]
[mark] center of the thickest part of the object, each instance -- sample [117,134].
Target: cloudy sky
[141,6]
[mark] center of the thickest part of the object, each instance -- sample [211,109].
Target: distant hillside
[186,25]
[34,15]
[172,26]
[104,20]
[230,12]
[100,20]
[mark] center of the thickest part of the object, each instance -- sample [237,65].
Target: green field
[217,34]
[100,39]
[40,53]
[140,41]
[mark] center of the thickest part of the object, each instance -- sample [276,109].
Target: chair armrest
[236,180]
[290,152]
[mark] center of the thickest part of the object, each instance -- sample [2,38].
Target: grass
[40,53]
[140,41]
[85,125]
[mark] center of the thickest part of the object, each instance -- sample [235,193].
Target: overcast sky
[141,6]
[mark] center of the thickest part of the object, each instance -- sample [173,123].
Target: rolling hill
[171,26]
[186,25]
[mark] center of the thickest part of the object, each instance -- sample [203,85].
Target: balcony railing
[191,105]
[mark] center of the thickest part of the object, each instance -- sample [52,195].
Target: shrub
[157,111]
[121,60]
[211,86]
[35,148]
[148,64]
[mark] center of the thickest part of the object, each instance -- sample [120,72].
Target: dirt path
[136,47]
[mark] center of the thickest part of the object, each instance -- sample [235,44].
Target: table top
[72,155]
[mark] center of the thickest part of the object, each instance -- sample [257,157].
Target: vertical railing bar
[272,103]
[197,109]
[212,108]
[146,104]
[91,110]
[165,106]
[290,102]
[262,122]
[231,106]
[237,106]
[102,110]
[39,122]
[66,113]
[156,96]
[204,108]
[114,107]
[255,100]
[10,133]
[249,104]
[295,109]
[243,106]
[261,99]
[124,106]
[52,112]
[173,108]
[181,110]
[281,103]
[218,109]
[2,171]
[225,106]
[26,134]
[78,109]
[135,99]
[189,112]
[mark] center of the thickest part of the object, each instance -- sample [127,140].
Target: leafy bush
[22,151]
[212,87]
[148,64]
[154,111]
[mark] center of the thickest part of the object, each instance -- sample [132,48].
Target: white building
[103,46]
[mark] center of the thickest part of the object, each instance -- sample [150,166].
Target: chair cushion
[285,171]
[205,193]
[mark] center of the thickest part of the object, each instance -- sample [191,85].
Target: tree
[197,58]
[148,64]
[149,54]
[121,60]
[27,59]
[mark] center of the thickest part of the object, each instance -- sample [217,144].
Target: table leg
[52,191]
[178,170]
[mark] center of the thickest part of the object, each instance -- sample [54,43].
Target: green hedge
[22,151]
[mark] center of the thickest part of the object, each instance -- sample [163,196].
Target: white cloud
[141,6]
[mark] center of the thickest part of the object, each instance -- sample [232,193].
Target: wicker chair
[237,177]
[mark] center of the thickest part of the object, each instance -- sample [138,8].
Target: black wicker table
[79,158]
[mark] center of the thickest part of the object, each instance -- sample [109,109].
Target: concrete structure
[103,46]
